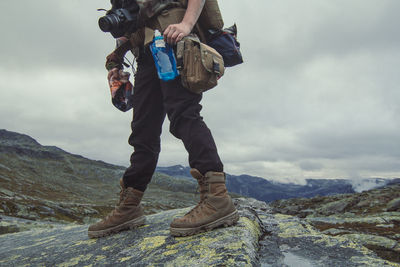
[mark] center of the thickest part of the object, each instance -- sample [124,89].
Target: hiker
[154,99]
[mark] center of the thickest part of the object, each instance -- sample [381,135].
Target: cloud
[317,96]
[45,34]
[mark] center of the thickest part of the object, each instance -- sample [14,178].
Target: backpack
[210,17]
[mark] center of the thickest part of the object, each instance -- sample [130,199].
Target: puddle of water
[293,260]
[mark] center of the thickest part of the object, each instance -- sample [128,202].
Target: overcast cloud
[317,96]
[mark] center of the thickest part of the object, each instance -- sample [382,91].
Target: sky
[317,96]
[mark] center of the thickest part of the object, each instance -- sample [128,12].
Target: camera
[122,18]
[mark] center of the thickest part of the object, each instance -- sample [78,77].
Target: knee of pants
[147,146]
[184,119]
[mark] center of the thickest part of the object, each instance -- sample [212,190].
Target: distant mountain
[266,190]
[45,182]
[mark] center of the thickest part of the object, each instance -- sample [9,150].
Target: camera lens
[108,23]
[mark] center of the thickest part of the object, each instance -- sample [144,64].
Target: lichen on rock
[146,246]
[260,238]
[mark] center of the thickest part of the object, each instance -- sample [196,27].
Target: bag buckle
[216,67]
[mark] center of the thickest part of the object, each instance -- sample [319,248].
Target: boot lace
[122,195]
[196,210]
[203,197]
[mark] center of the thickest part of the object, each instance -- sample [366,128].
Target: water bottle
[164,58]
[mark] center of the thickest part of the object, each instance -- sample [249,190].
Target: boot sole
[226,221]
[132,224]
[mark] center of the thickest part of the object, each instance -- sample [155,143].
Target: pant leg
[183,109]
[146,126]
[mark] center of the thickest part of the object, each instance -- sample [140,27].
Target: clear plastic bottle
[164,58]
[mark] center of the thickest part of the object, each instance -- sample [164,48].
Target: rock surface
[394,205]
[369,218]
[259,239]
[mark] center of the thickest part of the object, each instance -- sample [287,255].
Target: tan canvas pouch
[200,65]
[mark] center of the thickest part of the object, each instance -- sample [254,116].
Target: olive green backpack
[210,18]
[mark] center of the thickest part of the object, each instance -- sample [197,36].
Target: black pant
[152,100]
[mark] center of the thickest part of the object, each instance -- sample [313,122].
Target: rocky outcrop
[394,205]
[150,245]
[260,238]
[370,218]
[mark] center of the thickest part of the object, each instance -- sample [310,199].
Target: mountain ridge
[260,188]
[47,183]
[269,190]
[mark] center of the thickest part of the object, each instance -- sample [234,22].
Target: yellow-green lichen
[125,259]
[150,243]
[254,227]
[37,242]
[107,247]
[280,216]
[13,257]
[234,246]
[373,240]
[75,261]
[100,257]
[369,261]
[88,242]
[202,248]
[170,252]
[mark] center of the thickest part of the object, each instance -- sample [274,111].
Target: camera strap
[131,64]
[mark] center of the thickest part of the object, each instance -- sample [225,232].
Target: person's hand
[175,32]
[113,74]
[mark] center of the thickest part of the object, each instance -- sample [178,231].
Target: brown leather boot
[128,214]
[214,209]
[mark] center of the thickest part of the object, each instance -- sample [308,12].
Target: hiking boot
[214,209]
[128,214]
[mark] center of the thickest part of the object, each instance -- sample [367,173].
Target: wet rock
[363,203]
[260,238]
[383,224]
[294,242]
[13,225]
[382,246]
[6,229]
[46,211]
[147,245]
[394,205]
[306,212]
[335,231]
[292,209]
[4,207]
[335,207]
[6,192]
[373,240]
